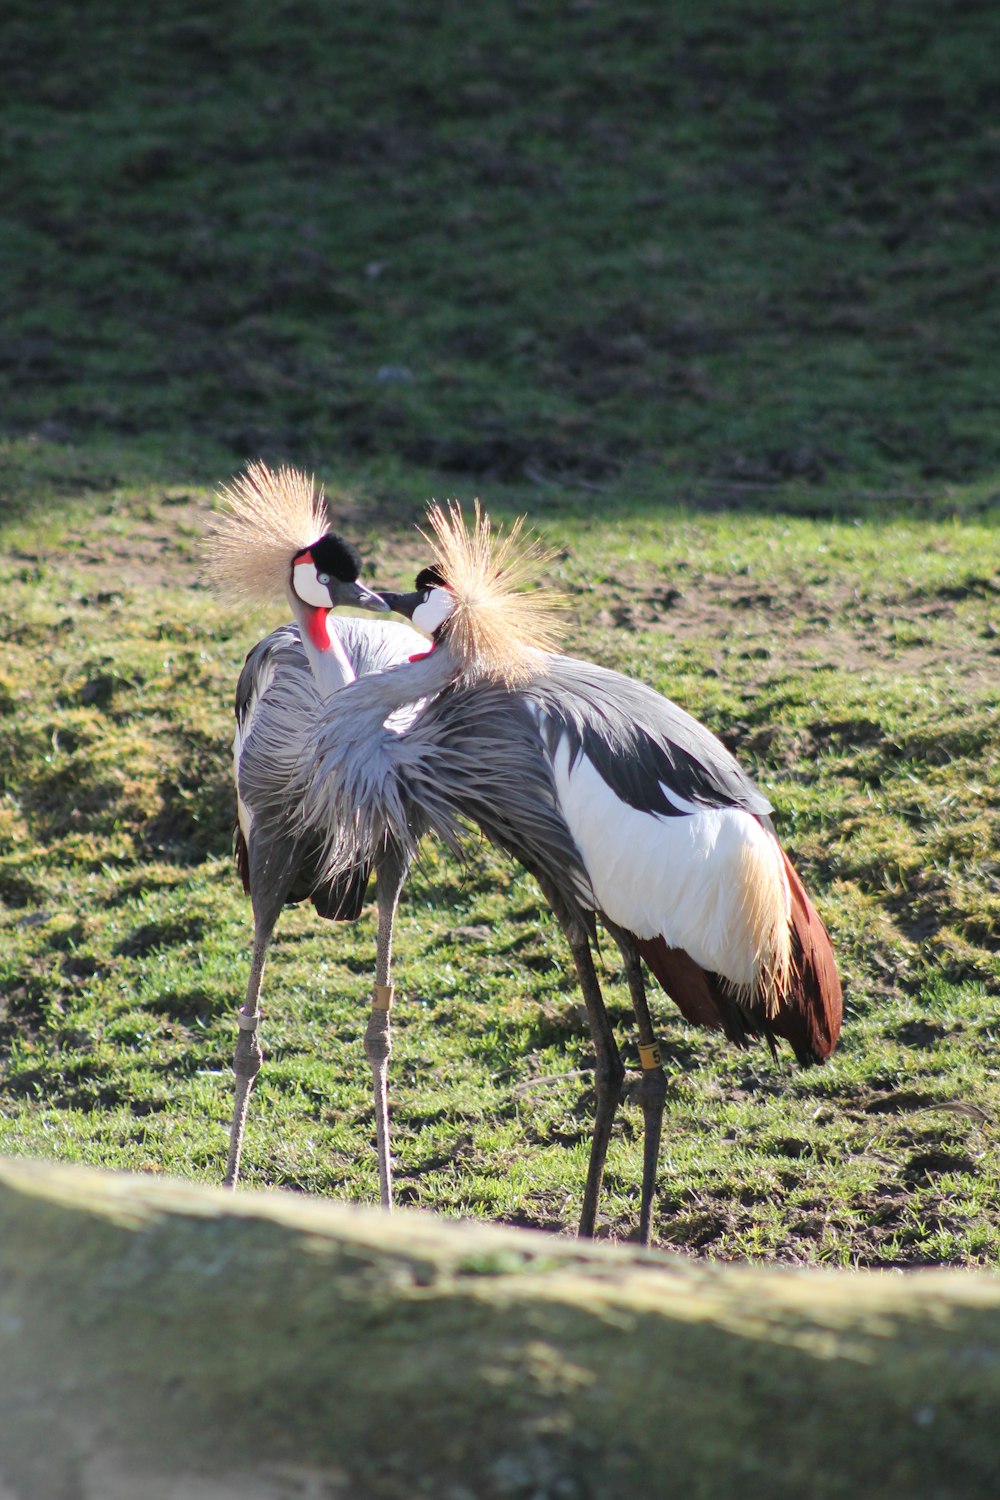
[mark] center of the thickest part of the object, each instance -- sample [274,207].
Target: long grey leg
[390,876]
[609,1071]
[652,1090]
[248,1057]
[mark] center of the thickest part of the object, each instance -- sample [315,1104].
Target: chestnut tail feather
[241,857]
[811,1015]
[808,1017]
[699,995]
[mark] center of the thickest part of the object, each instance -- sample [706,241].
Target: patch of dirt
[155,551]
[162,550]
[788,626]
[780,626]
[924,1166]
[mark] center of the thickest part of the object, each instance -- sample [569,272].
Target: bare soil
[779,626]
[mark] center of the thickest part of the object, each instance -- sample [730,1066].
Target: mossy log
[162,1340]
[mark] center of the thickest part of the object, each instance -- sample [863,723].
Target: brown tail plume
[699,995]
[808,1015]
[813,1009]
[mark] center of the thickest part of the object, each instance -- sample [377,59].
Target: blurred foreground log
[160,1340]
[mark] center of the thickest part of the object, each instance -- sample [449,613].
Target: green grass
[736,251]
[712,297]
[125,938]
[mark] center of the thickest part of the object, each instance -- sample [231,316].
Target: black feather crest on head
[335,555]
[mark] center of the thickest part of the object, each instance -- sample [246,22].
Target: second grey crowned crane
[619,802]
[274,539]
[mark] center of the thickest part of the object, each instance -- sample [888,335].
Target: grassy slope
[743,248]
[716,304]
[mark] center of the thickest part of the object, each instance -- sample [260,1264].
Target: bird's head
[472,597]
[429,605]
[325,576]
[274,539]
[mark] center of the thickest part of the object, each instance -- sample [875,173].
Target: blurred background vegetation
[739,254]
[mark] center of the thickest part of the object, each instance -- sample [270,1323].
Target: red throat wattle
[318,633]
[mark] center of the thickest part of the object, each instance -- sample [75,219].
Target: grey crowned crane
[617,800]
[274,539]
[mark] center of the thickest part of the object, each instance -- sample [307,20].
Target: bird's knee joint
[248,1057]
[578,937]
[649,1090]
[378,1037]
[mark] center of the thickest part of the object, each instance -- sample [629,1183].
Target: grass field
[715,302]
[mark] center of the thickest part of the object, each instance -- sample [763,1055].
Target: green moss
[171,1337]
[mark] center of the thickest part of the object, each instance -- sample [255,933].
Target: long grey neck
[331,668]
[368,701]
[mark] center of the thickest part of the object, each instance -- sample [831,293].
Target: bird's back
[473,755]
[653,754]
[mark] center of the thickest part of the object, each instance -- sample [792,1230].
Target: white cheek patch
[433,612]
[308,587]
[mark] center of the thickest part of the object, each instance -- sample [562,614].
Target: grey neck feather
[366,703]
[351,788]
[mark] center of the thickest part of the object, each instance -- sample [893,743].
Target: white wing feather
[689,879]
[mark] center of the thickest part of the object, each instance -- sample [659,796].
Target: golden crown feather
[269,515]
[499,623]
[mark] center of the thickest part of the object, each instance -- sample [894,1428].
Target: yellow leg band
[382,996]
[649,1054]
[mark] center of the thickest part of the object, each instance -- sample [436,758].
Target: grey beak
[355,596]
[402,604]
